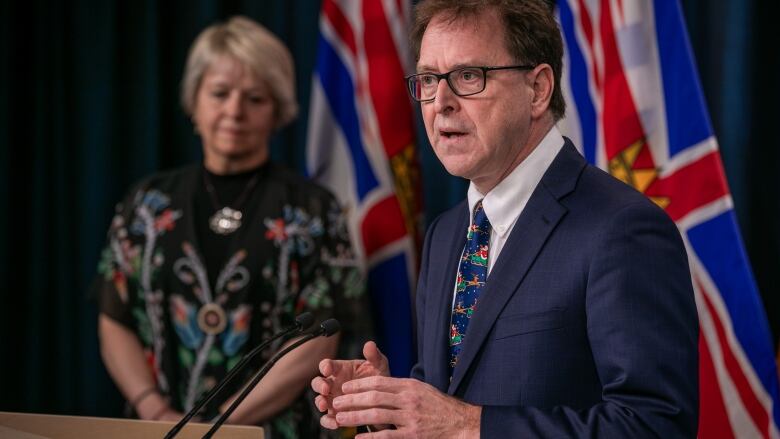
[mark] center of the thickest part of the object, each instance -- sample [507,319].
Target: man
[555,301]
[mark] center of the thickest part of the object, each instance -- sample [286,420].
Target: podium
[38,426]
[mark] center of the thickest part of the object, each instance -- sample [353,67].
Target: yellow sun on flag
[622,167]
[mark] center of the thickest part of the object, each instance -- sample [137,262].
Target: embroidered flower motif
[315,295]
[295,230]
[276,230]
[184,317]
[155,200]
[237,331]
[153,213]
[165,221]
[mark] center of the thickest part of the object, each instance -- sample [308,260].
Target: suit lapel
[450,240]
[537,221]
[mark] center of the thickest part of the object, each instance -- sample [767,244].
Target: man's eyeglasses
[465,81]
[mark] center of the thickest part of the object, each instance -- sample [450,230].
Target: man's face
[480,137]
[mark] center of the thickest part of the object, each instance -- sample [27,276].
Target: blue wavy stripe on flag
[579,78]
[340,92]
[686,116]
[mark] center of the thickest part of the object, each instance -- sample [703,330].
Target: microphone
[327,328]
[302,322]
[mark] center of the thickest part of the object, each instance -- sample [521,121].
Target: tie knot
[481,222]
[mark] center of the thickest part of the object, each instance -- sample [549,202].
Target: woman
[204,262]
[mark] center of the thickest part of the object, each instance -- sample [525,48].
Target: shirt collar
[504,203]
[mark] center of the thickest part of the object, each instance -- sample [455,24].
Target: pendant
[212,319]
[225,221]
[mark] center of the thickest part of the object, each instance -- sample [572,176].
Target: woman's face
[234,115]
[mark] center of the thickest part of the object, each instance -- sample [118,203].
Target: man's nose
[446,99]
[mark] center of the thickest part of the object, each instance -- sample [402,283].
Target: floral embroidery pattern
[294,233]
[298,235]
[233,278]
[194,324]
[124,262]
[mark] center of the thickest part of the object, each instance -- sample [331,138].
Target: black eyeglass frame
[446,76]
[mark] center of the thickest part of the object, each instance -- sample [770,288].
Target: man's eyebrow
[422,68]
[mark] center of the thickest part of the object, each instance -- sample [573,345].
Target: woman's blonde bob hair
[253,46]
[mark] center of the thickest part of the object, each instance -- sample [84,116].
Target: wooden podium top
[38,426]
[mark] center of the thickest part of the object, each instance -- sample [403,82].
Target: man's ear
[543,85]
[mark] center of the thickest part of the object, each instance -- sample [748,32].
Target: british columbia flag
[361,146]
[636,109]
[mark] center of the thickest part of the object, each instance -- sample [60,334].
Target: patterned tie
[472,274]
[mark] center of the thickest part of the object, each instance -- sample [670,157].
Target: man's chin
[455,164]
[458,170]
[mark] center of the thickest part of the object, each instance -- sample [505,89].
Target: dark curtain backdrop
[89,104]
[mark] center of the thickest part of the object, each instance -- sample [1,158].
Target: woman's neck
[221,165]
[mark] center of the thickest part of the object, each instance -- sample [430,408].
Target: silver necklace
[227,220]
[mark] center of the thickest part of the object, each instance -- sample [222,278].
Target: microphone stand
[327,328]
[302,322]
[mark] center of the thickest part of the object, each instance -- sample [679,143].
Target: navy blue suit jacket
[587,325]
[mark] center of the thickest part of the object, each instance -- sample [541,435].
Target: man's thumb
[374,356]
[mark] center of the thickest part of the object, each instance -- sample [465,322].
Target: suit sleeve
[643,330]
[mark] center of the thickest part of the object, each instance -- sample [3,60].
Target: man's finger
[336,368]
[321,403]
[380,383]
[372,353]
[329,422]
[321,385]
[366,417]
[382,434]
[326,367]
[367,400]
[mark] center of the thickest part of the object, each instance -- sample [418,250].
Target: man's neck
[537,133]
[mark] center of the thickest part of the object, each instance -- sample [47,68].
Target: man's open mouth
[451,134]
